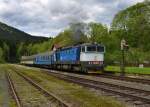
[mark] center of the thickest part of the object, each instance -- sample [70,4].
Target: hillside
[10,40]
[10,34]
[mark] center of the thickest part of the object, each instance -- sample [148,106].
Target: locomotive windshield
[100,49]
[91,48]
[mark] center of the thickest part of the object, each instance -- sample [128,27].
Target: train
[83,57]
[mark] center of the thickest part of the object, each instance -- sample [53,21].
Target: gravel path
[4,96]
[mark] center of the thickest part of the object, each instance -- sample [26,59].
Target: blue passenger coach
[44,58]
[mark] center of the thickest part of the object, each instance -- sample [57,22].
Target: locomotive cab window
[83,49]
[91,48]
[100,49]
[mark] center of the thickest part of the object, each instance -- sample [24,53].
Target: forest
[131,24]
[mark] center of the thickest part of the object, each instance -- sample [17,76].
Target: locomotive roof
[40,54]
[84,44]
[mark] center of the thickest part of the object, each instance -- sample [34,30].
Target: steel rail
[87,83]
[13,90]
[123,78]
[52,97]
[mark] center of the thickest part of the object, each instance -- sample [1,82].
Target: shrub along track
[138,96]
[54,101]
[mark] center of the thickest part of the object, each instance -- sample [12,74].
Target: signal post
[124,47]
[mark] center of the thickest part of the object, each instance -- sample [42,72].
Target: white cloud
[49,17]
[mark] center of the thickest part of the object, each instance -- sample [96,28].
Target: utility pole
[124,47]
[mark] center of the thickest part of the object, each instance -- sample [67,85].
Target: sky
[49,17]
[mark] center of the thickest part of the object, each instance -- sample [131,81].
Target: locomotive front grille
[95,62]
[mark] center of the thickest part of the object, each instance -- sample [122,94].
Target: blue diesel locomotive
[83,57]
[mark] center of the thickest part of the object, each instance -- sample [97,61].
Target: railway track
[123,78]
[138,96]
[13,90]
[113,72]
[50,96]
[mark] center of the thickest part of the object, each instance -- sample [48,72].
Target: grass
[130,70]
[75,95]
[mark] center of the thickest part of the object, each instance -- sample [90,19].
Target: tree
[64,38]
[99,32]
[6,51]
[1,55]
[21,50]
[133,24]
